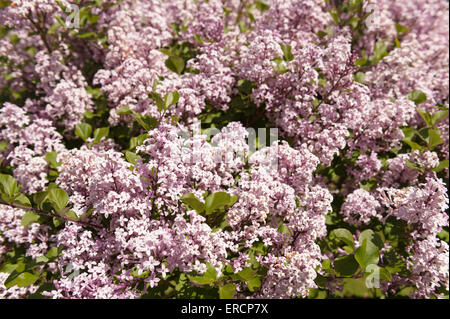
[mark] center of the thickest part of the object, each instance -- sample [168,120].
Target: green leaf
[262,6]
[41,260]
[242,27]
[385,274]
[39,198]
[57,222]
[442,165]
[137,141]
[251,278]
[71,215]
[353,21]
[3,146]
[52,253]
[175,64]
[287,54]
[344,235]
[233,200]
[254,284]
[158,100]
[99,133]
[346,265]
[431,136]
[417,97]
[59,198]
[371,236]
[322,34]
[193,202]
[21,199]
[171,99]
[284,229]
[434,138]
[227,291]
[245,86]
[409,133]
[438,116]
[414,166]
[367,254]
[326,264]
[320,281]
[89,115]
[8,185]
[22,280]
[95,92]
[52,175]
[29,218]
[124,110]
[216,201]
[401,29]
[198,38]
[369,184]
[361,61]
[414,146]
[246,274]
[335,16]
[360,77]
[425,115]
[50,157]
[424,134]
[9,268]
[83,131]
[86,35]
[60,21]
[88,213]
[280,66]
[443,234]
[147,122]
[132,157]
[379,51]
[208,278]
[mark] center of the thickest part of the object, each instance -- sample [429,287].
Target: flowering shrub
[224,148]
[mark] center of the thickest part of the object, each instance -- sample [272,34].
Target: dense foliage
[129,167]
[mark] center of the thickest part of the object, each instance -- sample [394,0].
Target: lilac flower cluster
[362,113]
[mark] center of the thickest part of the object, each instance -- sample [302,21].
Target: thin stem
[41,32]
[328,93]
[50,214]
